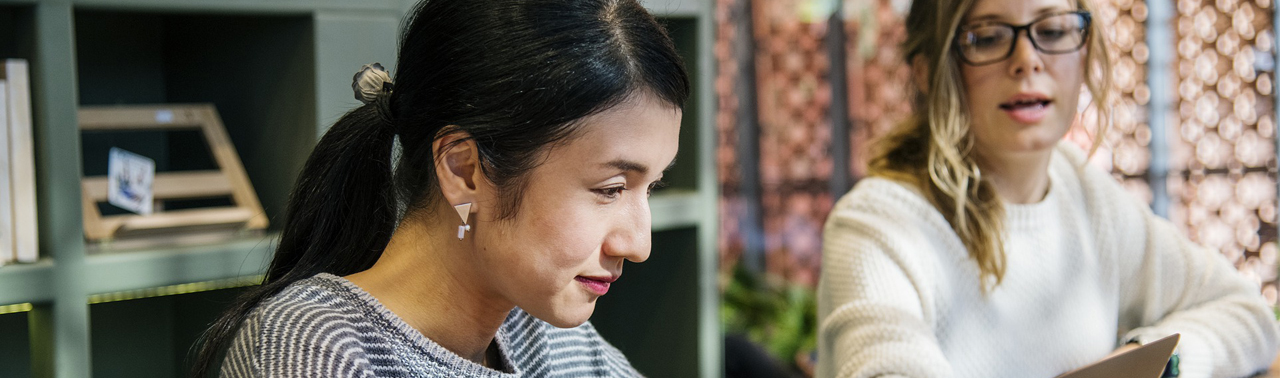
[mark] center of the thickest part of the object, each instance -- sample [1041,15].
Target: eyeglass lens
[989,43]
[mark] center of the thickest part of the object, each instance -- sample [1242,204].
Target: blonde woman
[983,246]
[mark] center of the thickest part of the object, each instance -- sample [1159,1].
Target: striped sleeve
[239,362]
[543,350]
[304,339]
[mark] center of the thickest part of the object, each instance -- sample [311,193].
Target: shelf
[136,270]
[255,6]
[676,208]
[152,337]
[15,356]
[258,70]
[16,32]
[647,313]
[278,72]
[676,8]
[26,283]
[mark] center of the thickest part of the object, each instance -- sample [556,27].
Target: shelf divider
[239,6]
[676,8]
[59,330]
[676,208]
[26,283]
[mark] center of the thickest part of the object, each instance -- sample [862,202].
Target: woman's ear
[920,73]
[457,165]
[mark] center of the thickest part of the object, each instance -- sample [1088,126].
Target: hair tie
[371,82]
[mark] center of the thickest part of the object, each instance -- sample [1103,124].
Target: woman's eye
[610,192]
[1051,34]
[986,39]
[654,186]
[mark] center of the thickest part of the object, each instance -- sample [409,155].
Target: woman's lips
[1028,113]
[1027,107]
[597,285]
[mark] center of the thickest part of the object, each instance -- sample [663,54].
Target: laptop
[1147,361]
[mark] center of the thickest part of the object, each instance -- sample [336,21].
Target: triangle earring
[464,211]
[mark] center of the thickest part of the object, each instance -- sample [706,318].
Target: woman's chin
[1036,142]
[569,316]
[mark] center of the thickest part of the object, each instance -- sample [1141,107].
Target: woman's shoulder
[318,301]
[1071,165]
[311,311]
[304,322]
[543,349]
[887,220]
[880,203]
[884,194]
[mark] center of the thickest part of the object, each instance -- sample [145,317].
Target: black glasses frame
[1085,16]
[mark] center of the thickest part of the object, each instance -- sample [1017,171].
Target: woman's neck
[424,279]
[1020,177]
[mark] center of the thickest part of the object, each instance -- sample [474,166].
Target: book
[1146,361]
[7,253]
[22,167]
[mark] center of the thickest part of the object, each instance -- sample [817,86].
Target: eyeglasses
[1058,33]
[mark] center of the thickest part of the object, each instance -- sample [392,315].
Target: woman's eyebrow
[986,17]
[627,165]
[632,166]
[981,18]
[1052,9]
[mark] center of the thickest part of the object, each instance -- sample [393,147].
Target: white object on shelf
[22,165]
[129,178]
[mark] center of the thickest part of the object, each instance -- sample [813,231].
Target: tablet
[1146,361]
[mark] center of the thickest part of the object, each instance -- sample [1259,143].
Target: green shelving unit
[664,313]
[279,71]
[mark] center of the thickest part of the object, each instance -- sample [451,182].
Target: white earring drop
[464,211]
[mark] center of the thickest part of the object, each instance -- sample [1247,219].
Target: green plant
[776,314]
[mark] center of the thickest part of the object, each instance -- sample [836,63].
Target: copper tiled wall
[1217,170]
[794,166]
[732,206]
[1126,149]
[1222,132]
[879,92]
[794,98]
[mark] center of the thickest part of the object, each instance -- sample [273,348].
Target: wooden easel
[228,181]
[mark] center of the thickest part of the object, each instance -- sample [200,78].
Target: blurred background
[804,87]
[788,96]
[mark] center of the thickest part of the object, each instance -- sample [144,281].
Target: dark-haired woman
[530,134]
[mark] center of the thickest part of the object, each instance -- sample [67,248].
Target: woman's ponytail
[339,219]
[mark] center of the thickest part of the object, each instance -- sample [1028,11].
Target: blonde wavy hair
[934,149]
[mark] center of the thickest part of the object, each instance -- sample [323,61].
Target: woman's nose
[631,238]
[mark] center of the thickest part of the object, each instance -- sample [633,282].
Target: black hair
[514,75]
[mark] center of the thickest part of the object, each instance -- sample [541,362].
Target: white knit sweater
[1088,267]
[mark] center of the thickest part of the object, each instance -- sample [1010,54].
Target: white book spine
[22,162]
[7,252]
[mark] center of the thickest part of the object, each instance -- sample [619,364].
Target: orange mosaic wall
[1221,125]
[1222,133]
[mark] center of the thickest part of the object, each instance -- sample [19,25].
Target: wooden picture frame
[229,180]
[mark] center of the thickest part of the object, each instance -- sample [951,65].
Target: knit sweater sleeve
[874,312]
[301,341]
[1172,285]
[239,361]
[543,350]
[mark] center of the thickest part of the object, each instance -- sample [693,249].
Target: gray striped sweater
[325,326]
